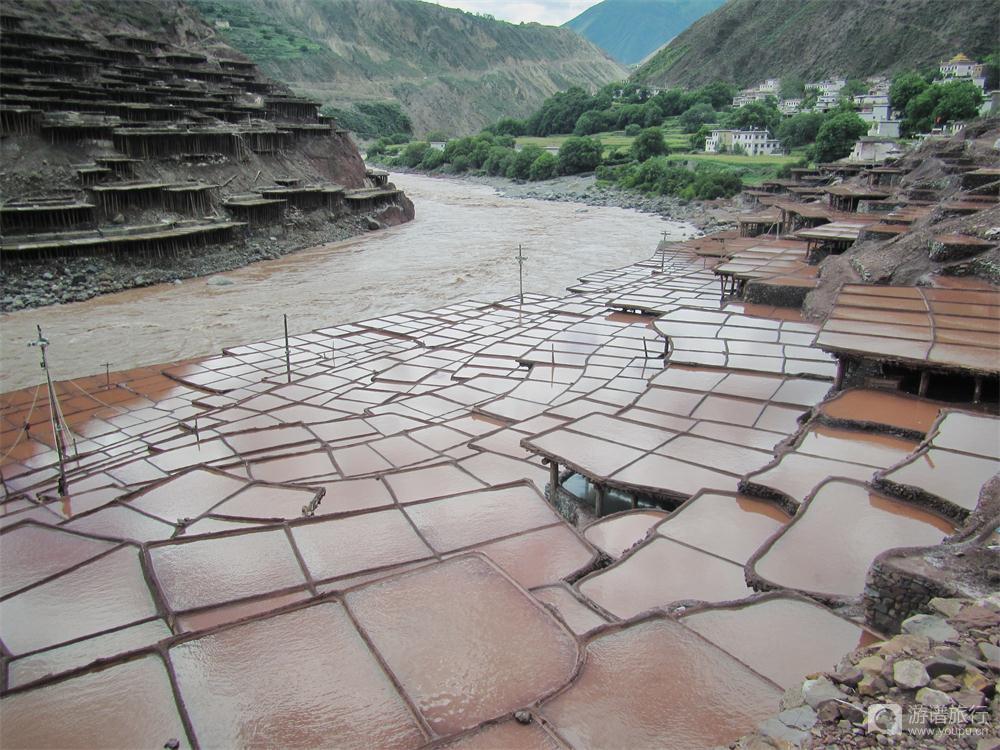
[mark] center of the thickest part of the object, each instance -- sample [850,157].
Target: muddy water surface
[461,246]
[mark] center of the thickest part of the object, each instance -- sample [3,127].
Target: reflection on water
[460,246]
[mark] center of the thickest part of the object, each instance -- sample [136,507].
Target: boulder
[933,628]
[818,691]
[933,698]
[909,674]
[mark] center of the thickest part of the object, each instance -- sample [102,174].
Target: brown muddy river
[461,246]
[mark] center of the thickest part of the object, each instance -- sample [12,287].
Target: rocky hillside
[450,70]
[629,30]
[747,40]
[135,148]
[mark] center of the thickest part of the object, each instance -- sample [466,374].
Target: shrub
[414,153]
[696,116]
[633,129]
[579,155]
[544,167]
[648,143]
[432,159]
[837,135]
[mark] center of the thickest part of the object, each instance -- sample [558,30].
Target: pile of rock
[932,686]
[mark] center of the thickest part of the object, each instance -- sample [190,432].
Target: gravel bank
[64,280]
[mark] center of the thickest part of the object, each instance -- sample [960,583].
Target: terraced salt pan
[734,340]
[960,456]
[574,612]
[30,553]
[506,734]
[76,716]
[728,525]
[486,647]
[830,544]
[660,572]
[693,428]
[823,452]
[654,684]
[616,534]
[41,664]
[812,639]
[268,683]
[884,408]
[106,593]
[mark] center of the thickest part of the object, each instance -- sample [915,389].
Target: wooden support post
[838,381]
[635,501]
[553,478]
[925,379]
[599,500]
[977,393]
[288,355]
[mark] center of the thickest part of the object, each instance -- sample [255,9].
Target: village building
[959,68]
[877,112]
[750,142]
[790,106]
[875,149]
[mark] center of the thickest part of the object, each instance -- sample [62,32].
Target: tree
[544,167]
[519,168]
[697,140]
[800,129]
[718,94]
[939,103]
[579,155]
[696,116]
[853,87]
[632,129]
[760,115]
[905,87]
[432,159]
[414,153]
[593,121]
[959,101]
[837,135]
[509,126]
[648,143]
[792,87]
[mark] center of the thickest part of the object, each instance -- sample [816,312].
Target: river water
[461,246]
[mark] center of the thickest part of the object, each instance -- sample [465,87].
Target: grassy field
[676,139]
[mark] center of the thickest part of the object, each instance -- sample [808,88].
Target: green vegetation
[837,135]
[385,120]
[939,103]
[255,33]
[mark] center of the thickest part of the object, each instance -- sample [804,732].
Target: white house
[831,87]
[751,142]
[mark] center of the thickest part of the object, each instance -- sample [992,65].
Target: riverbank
[708,216]
[61,280]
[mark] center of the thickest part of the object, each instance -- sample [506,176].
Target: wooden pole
[288,354]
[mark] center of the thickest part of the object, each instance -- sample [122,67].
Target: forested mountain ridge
[448,70]
[745,41]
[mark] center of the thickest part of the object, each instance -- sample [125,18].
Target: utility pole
[520,273]
[662,243]
[288,354]
[57,427]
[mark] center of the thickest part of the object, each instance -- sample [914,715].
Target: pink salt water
[74,713]
[830,545]
[294,679]
[659,572]
[883,407]
[465,643]
[616,534]
[656,685]
[728,525]
[811,638]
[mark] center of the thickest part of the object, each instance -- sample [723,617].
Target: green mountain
[629,30]
[745,41]
[449,70]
